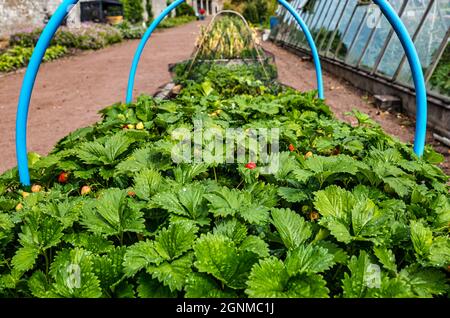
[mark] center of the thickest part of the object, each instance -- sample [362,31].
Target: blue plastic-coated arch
[312,45]
[140,49]
[175,4]
[417,73]
[64,8]
[28,84]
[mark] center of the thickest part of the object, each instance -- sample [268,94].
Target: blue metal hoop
[417,73]
[27,87]
[154,25]
[62,11]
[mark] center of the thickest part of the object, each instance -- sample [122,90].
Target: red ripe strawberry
[291,148]
[250,165]
[131,193]
[63,177]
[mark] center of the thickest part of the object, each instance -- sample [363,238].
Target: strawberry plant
[351,212]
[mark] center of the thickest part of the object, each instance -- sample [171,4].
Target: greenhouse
[353,35]
[238,161]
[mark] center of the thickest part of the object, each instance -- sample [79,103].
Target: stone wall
[158,6]
[18,15]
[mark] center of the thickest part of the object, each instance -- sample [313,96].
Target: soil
[69,92]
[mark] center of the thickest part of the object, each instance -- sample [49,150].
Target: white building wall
[158,6]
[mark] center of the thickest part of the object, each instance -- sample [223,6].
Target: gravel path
[69,92]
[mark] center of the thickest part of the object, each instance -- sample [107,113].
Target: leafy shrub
[185,10]
[130,31]
[18,56]
[88,36]
[25,38]
[55,52]
[350,213]
[133,10]
[251,13]
[110,34]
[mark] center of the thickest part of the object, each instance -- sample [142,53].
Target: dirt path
[340,95]
[69,92]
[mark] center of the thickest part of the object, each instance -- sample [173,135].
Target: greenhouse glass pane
[325,37]
[351,32]
[394,53]
[380,37]
[430,38]
[440,81]
[322,31]
[321,6]
[321,20]
[370,22]
[345,20]
[310,10]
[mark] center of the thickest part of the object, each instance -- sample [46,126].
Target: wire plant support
[65,7]
[208,29]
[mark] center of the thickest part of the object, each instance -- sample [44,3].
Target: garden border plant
[89,37]
[351,213]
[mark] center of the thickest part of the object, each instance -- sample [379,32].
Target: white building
[17,15]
